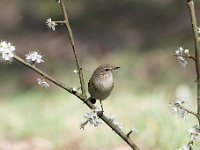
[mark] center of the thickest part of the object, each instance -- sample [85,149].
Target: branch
[80,71]
[186,56]
[197,50]
[81,97]
[119,132]
[63,86]
[187,110]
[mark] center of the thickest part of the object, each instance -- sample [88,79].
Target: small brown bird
[101,83]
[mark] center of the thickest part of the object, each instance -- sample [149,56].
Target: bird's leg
[101,106]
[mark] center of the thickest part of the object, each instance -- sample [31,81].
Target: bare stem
[59,22]
[197,50]
[129,133]
[187,110]
[186,56]
[80,71]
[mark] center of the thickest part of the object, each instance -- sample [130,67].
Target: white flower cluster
[180,54]
[93,118]
[186,147]
[180,101]
[42,83]
[6,51]
[194,133]
[175,109]
[194,137]
[34,57]
[114,121]
[51,24]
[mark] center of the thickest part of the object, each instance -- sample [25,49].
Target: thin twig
[129,133]
[186,56]
[187,110]
[197,50]
[80,71]
[59,22]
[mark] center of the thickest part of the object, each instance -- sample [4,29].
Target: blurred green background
[139,36]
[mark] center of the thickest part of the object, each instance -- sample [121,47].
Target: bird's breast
[106,82]
[101,87]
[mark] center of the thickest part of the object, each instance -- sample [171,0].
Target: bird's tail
[92,100]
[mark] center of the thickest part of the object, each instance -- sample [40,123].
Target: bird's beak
[115,68]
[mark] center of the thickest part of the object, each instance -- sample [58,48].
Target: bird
[101,83]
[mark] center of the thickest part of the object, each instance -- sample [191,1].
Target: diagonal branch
[113,127]
[80,71]
[82,98]
[65,87]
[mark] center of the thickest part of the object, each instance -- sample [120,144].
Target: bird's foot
[100,113]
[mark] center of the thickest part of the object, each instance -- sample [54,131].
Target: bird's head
[105,68]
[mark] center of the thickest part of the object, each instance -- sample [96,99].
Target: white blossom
[181,50]
[180,101]
[177,52]
[34,57]
[42,83]
[6,51]
[194,133]
[51,24]
[186,51]
[178,111]
[182,61]
[185,147]
[115,122]
[180,54]
[182,114]
[92,118]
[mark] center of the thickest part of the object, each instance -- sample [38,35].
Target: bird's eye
[107,69]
